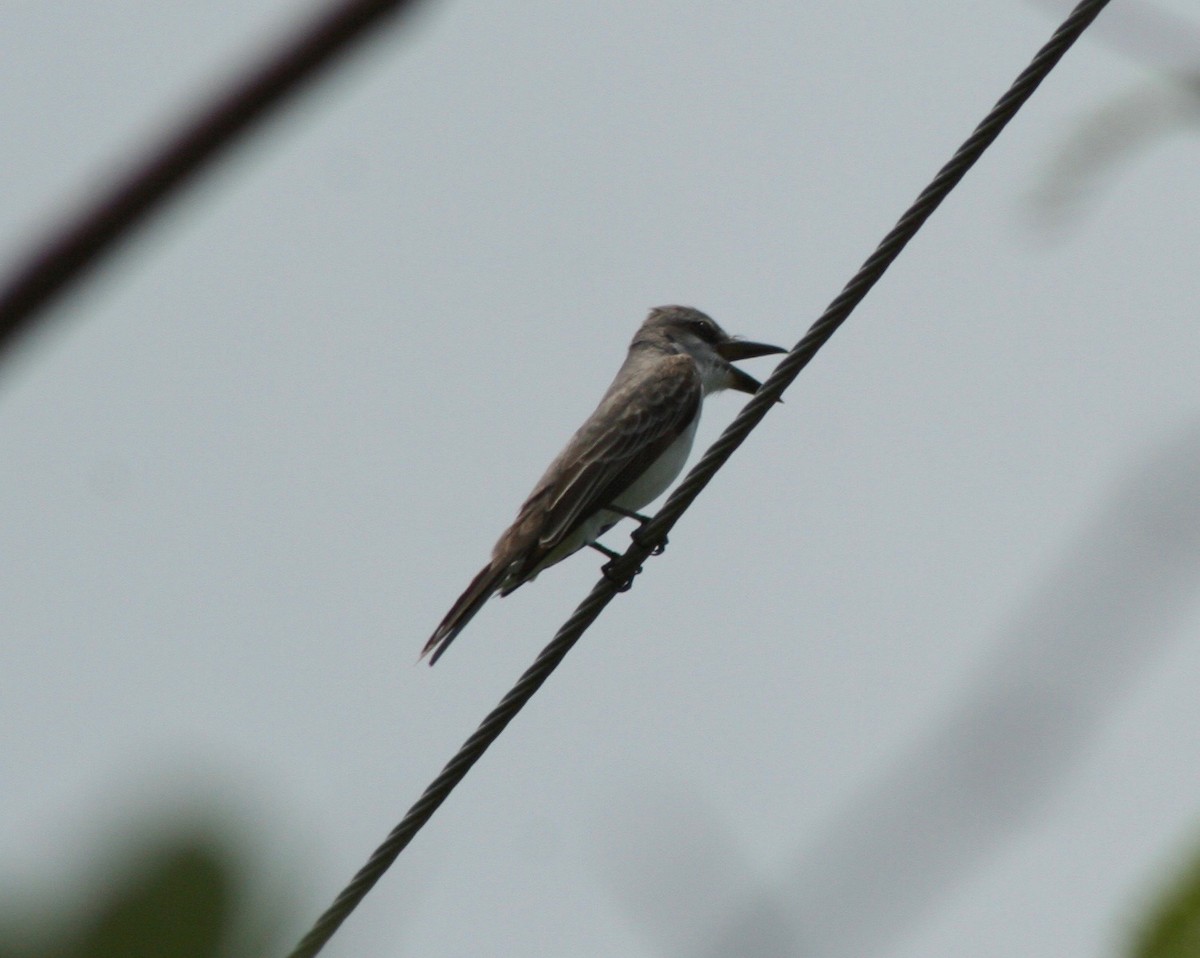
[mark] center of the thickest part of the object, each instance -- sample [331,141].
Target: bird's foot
[622,583]
[658,548]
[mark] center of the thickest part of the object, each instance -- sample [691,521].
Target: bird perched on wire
[623,457]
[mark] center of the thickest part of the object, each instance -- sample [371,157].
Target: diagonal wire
[78,246]
[654,533]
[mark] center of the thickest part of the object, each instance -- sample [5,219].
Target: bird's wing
[633,425]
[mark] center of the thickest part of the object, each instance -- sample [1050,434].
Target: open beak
[734,349]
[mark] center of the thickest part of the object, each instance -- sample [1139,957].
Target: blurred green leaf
[1173,928]
[179,895]
[180,902]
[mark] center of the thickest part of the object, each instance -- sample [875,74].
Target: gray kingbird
[624,456]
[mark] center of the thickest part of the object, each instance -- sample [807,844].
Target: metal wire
[655,532]
[70,251]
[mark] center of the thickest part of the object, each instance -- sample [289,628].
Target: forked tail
[470,602]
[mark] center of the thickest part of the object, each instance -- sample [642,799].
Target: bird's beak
[734,349]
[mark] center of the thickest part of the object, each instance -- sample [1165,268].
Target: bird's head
[684,329]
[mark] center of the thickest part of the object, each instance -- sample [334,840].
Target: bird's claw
[655,550]
[622,583]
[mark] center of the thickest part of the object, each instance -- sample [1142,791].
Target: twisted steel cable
[654,533]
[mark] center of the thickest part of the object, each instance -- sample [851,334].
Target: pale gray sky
[916,675]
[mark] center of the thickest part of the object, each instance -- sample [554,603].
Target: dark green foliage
[183,896]
[1172,930]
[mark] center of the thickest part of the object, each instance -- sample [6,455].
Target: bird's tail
[478,592]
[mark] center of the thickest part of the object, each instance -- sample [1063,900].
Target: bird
[624,456]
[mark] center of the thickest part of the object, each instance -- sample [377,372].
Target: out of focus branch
[62,258]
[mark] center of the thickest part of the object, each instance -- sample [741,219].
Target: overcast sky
[916,676]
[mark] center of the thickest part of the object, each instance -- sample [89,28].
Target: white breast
[655,480]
